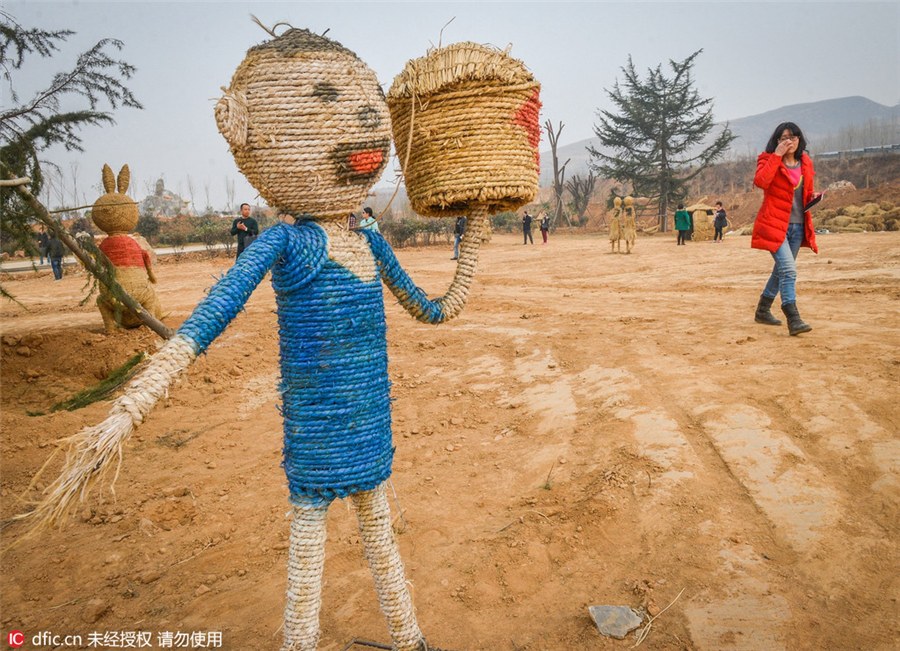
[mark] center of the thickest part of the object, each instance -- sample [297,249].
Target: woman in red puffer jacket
[785,173]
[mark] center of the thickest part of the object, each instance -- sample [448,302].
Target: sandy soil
[594,429]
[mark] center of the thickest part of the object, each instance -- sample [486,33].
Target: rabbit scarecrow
[308,125]
[116,215]
[629,230]
[615,227]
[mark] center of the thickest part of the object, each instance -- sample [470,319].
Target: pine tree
[657,134]
[28,128]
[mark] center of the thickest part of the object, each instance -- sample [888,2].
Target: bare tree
[229,194]
[190,189]
[74,170]
[208,208]
[559,173]
[581,188]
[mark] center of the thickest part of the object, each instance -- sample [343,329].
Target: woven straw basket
[475,116]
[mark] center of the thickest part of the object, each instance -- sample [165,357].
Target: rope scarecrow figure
[309,127]
[615,227]
[629,231]
[117,215]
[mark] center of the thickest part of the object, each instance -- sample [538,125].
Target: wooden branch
[12,183]
[98,271]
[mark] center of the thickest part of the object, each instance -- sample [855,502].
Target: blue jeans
[56,265]
[456,245]
[784,274]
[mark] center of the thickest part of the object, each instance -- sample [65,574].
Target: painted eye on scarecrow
[325,91]
[368,117]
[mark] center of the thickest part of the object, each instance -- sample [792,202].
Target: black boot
[763,311]
[795,323]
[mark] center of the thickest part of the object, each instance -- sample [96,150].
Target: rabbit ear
[109,181]
[232,117]
[124,179]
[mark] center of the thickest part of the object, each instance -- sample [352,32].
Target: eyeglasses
[786,138]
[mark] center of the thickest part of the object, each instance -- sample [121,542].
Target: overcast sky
[757,56]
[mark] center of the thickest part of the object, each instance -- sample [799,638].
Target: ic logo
[16,638]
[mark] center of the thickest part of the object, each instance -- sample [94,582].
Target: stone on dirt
[615,621]
[94,611]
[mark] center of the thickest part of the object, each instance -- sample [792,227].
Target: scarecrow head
[307,124]
[114,213]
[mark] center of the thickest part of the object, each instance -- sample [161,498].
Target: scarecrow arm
[228,296]
[413,299]
[94,450]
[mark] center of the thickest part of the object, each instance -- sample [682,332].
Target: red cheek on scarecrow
[528,116]
[366,162]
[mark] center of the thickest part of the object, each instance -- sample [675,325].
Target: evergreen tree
[28,128]
[657,134]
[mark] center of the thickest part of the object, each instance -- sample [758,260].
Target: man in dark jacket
[43,243]
[458,233]
[246,229]
[526,228]
[721,221]
[55,251]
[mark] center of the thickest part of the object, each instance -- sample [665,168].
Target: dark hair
[681,206]
[718,203]
[368,211]
[244,204]
[795,131]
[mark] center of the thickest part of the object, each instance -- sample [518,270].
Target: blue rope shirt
[333,348]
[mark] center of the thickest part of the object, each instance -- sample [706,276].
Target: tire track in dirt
[807,509]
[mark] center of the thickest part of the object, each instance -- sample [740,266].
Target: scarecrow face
[317,126]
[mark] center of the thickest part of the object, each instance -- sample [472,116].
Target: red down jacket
[774,215]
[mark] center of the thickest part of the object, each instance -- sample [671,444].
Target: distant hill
[820,121]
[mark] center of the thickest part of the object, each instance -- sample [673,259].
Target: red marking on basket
[366,162]
[528,116]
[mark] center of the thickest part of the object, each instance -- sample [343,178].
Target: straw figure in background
[629,232]
[116,214]
[308,125]
[615,227]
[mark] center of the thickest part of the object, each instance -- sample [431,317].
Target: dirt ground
[594,429]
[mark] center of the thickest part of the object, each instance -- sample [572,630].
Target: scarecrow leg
[374,516]
[305,564]
[108,314]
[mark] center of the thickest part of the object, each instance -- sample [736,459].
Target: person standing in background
[368,221]
[526,228]
[720,222]
[458,231]
[545,226]
[55,253]
[682,223]
[246,229]
[43,243]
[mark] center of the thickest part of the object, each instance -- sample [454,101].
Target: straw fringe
[451,65]
[94,450]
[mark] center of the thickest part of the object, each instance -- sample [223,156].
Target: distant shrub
[505,221]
